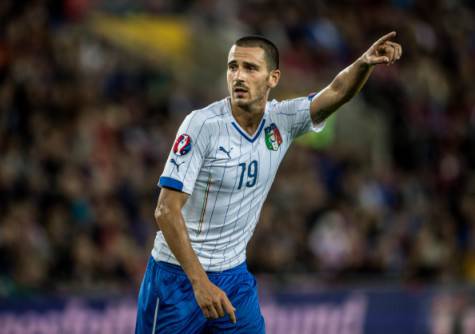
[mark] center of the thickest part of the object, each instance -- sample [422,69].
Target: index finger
[229,308]
[385,38]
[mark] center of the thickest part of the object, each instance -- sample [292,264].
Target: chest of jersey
[238,162]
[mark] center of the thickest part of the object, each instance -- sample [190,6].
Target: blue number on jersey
[252,172]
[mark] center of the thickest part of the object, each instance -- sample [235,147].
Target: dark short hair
[270,50]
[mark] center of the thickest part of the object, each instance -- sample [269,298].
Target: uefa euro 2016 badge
[273,137]
[182,144]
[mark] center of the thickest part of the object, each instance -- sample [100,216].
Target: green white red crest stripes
[273,137]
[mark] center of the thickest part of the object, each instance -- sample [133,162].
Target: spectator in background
[73,105]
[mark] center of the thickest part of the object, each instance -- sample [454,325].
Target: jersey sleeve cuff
[315,127]
[168,182]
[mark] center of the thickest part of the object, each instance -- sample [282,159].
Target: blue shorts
[166,302]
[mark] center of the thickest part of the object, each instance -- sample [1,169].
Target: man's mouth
[240,90]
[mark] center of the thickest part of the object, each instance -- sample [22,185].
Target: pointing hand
[383,51]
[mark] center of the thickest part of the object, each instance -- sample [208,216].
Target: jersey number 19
[252,170]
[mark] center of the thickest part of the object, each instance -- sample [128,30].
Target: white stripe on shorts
[155,316]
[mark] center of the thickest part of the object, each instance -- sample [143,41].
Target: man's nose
[238,75]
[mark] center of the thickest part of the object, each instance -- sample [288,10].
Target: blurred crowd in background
[86,125]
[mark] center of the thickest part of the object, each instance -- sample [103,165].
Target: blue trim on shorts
[170,267]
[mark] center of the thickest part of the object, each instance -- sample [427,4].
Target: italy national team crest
[273,137]
[182,144]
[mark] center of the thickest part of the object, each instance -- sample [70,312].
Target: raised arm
[350,81]
[211,299]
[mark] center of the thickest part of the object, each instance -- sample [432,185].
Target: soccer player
[214,184]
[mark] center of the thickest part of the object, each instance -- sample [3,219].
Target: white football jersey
[227,174]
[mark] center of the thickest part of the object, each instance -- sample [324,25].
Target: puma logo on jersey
[228,153]
[173,161]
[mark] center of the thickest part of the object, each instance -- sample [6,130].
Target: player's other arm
[213,301]
[350,81]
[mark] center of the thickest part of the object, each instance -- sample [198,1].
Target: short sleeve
[186,155]
[295,115]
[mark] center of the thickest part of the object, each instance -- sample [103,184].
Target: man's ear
[274,78]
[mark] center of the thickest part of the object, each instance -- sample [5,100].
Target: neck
[249,117]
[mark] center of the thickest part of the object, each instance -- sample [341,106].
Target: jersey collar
[241,131]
